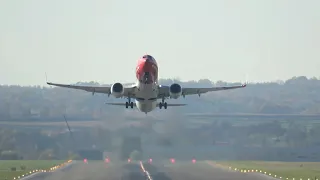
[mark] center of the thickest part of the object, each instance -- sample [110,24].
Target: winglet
[246,81]
[46,77]
[48,83]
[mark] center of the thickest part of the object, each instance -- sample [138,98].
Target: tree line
[298,95]
[38,144]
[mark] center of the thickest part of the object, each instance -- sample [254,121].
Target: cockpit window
[148,57]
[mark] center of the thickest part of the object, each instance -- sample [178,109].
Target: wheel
[131,104]
[160,105]
[165,105]
[127,104]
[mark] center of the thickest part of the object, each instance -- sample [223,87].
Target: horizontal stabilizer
[173,104]
[120,104]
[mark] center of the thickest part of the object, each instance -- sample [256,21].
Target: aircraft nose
[148,60]
[147,64]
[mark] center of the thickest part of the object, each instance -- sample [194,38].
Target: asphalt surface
[158,171]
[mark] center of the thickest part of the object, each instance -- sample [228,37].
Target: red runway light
[172,160]
[107,160]
[193,161]
[129,160]
[150,160]
[85,160]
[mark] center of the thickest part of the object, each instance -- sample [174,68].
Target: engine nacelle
[175,91]
[117,90]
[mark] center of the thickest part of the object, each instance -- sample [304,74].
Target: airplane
[146,91]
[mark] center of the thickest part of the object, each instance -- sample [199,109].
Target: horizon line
[279,81]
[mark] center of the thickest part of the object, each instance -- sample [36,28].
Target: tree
[136,155]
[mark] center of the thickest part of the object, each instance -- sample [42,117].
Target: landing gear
[163,104]
[129,103]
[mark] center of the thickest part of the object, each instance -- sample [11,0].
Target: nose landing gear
[163,104]
[129,103]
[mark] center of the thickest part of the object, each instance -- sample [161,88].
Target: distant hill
[298,95]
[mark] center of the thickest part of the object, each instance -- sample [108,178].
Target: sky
[102,40]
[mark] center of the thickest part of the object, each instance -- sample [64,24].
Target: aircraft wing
[164,90]
[96,89]
[134,104]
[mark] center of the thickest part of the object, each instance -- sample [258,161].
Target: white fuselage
[146,96]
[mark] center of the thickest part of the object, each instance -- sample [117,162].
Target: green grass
[5,165]
[281,169]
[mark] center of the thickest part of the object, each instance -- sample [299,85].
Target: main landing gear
[163,104]
[129,103]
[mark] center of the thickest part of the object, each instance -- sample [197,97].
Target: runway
[164,170]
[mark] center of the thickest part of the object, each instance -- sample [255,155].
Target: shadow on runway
[160,176]
[133,176]
[151,168]
[155,173]
[132,172]
[132,167]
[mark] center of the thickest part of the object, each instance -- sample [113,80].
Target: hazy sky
[101,40]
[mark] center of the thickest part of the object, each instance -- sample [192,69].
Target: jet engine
[175,91]
[117,90]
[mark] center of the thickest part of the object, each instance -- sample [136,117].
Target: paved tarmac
[158,171]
